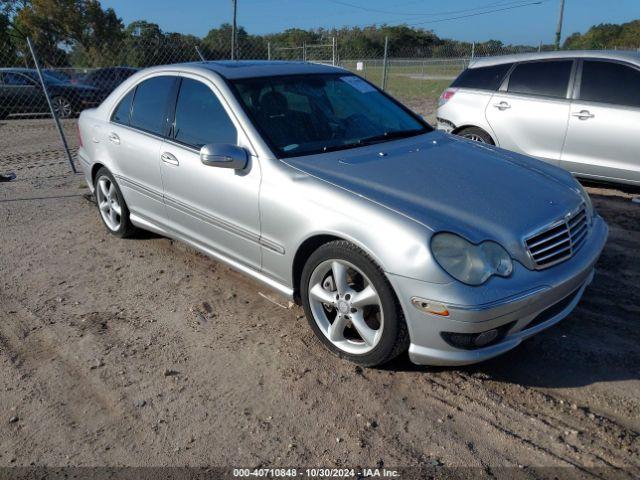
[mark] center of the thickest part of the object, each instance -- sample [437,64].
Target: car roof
[17,70]
[628,56]
[235,69]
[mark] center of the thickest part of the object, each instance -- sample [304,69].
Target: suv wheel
[476,134]
[351,306]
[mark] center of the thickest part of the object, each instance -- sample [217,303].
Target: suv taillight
[446,96]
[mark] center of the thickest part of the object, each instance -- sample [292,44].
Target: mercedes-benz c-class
[392,236]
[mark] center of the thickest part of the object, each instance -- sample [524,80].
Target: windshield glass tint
[307,114]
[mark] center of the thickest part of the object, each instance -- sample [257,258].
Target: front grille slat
[546,239]
[562,241]
[559,253]
[559,241]
[577,219]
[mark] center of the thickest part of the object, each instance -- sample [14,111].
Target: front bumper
[524,304]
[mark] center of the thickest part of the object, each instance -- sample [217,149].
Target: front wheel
[351,306]
[476,134]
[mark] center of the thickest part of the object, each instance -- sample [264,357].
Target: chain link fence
[74,77]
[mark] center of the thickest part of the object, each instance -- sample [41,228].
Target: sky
[459,20]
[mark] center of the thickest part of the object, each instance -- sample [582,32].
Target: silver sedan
[391,235]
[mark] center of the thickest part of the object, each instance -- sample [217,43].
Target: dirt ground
[143,352]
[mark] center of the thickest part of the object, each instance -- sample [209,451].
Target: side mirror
[224,156]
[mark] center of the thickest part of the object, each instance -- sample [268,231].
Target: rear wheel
[476,134]
[351,306]
[113,210]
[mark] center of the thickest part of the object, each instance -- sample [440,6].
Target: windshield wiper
[374,139]
[390,136]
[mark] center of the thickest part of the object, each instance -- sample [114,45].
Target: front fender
[296,206]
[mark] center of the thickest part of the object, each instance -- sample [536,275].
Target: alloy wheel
[346,306]
[62,107]
[475,137]
[108,203]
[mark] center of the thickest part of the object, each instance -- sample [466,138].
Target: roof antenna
[200,54]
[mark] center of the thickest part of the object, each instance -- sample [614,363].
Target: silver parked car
[577,110]
[391,235]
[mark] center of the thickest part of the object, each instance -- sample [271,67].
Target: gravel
[513,410]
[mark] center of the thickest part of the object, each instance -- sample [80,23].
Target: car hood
[451,184]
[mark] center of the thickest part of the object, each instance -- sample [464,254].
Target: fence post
[51,109]
[200,54]
[304,51]
[268,50]
[384,63]
[473,50]
[333,50]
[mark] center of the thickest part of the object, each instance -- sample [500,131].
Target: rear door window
[609,82]
[149,111]
[547,79]
[200,117]
[483,78]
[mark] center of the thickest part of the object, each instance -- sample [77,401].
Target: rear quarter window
[483,78]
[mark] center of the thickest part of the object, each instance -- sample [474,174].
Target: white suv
[576,110]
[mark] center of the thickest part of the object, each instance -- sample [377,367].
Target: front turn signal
[429,306]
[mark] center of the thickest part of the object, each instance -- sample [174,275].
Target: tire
[336,310]
[62,106]
[476,134]
[110,201]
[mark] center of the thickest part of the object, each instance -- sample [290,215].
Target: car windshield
[309,114]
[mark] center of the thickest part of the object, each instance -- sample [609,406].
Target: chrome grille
[560,240]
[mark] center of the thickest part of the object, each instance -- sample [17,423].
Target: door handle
[167,157]
[502,106]
[583,114]
[114,138]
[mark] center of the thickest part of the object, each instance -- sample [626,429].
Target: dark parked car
[21,93]
[105,80]
[66,76]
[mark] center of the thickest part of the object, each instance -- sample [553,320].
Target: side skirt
[267,281]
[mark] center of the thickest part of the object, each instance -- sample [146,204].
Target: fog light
[486,338]
[471,341]
[430,307]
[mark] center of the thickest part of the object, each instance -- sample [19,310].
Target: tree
[57,27]
[606,36]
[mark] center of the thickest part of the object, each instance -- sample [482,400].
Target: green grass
[400,84]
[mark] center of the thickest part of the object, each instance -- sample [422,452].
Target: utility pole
[559,28]
[234,4]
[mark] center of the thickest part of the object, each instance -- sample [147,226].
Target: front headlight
[469,263]
[587,201]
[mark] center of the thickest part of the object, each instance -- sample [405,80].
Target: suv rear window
[483,78]
[548,78]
